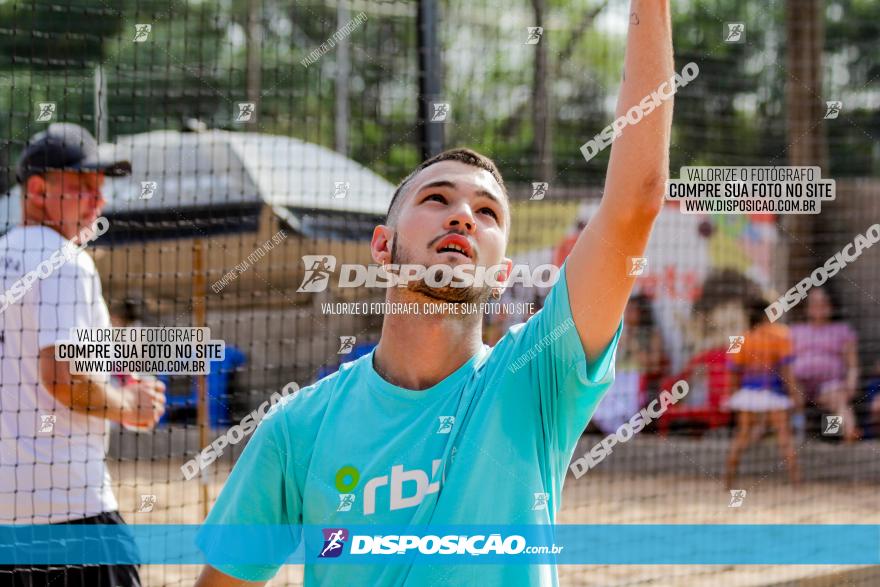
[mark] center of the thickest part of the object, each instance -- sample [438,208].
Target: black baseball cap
[66,147]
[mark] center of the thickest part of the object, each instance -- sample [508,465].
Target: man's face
[448,206]
[66,200]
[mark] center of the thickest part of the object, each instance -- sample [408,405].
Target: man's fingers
[157,396]
[153,392]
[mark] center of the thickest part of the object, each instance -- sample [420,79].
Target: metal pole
[254,46]
[199,321]
[430,78]
[100,104]
[343,73]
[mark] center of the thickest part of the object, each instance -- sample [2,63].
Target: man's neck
[31,222]
[418,351]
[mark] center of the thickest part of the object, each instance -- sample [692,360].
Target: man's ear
[501,276]
[33,199]
[381,243]
[35,188]
[504,274]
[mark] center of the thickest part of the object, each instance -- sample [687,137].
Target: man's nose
[461,218]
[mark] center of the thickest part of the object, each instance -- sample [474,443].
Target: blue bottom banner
[636,544]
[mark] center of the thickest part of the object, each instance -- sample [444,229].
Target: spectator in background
[54,423]
[761,373]
[826,361]
[655,363]
[640,357]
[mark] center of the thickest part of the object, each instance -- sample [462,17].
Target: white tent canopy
[221,167]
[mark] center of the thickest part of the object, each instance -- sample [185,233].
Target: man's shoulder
[31,238]
[311,402]
[24,248]
[516,334]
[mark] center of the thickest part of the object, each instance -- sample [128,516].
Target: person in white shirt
[53,424]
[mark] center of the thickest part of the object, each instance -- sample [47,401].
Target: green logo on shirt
[347,479]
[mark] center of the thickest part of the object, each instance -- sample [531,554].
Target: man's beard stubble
[447,293]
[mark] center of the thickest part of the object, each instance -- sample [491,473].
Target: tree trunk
[541,103]
[805,39]
[253,58]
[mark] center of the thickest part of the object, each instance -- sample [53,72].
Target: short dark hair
[755,311]
[463,155]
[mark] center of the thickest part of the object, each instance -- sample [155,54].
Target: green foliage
[194,66]
[55,36]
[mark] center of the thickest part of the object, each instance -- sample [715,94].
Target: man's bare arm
[211,577]
[597,269]
[87,395]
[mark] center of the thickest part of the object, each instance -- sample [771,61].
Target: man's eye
[489,211]
[437,197]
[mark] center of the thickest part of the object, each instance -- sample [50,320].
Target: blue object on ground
[218,376]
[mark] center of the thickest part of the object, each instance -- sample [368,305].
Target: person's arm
[141,404]
[598,278]
[792,386]
[71,298]
[734,378]
[211,577]
[259,492]
[851,357]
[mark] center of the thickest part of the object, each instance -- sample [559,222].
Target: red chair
[708,379]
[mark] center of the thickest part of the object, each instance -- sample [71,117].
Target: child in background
[761,373]
[826,361]
[639,359]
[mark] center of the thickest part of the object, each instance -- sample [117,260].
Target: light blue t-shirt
[519,409]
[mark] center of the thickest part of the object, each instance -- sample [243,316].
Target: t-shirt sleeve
[847,335]
[259,498]
[66,300]
[547,359]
